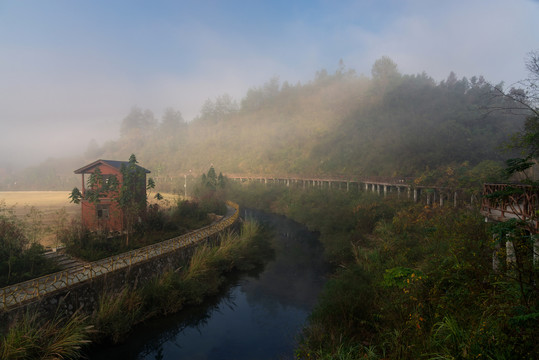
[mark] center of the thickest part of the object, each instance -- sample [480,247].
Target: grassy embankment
[410,281]
[118,312]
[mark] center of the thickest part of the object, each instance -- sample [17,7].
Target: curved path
[21,293]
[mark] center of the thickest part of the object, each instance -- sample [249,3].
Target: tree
[525,101]
[384,69]
[171,122]
[222,109]
[384,73]
[137,122]
[12,239]
[132,193]
[210,192]
[210,179]
[257,98]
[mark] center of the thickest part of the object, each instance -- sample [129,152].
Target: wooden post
[83,187]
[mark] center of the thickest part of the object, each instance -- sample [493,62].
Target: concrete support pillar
[347,186]
[385,190]
[398,192]
[287,182]
[510,251]
[329,184]
[366,187]
[303,184]
[415,195]
[408,191]
[441,200]
[428,199]
[495,253]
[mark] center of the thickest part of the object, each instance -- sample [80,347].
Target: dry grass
[45,201]
[48,203]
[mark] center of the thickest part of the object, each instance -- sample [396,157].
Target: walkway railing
[514,201]
[20,293]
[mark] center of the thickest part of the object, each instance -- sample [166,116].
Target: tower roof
[112,163]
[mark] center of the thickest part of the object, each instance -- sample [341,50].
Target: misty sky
[71,70]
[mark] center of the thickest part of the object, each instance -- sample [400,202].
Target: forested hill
[341,123]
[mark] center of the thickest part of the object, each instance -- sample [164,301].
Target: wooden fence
[20,293]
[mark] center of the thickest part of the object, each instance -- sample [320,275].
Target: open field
[49,205]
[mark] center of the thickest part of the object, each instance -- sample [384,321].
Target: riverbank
[258,315]
[118,312]
[409,282]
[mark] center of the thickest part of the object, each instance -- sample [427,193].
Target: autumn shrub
[431,291]
[344,314]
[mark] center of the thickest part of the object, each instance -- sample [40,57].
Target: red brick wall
[111,219]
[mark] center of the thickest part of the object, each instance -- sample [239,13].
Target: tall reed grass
[171,291]
[59,338]
[117,313]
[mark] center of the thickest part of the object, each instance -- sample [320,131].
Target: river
[259,316]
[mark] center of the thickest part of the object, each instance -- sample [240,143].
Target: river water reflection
[258,317]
